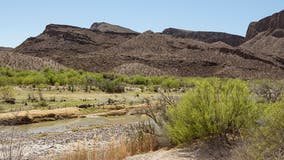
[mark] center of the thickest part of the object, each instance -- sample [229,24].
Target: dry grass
[10,148]
[24,117]
[115,150]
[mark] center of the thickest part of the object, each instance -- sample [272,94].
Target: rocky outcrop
[270,23]
[209,37]
[106,27]
[67,44]
[266,37]
[56,38]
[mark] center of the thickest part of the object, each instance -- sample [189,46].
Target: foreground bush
[266,141]
[213,108]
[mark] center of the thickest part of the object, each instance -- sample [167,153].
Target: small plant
[269,91]
[52,99]
[111,101]
[7,94]
[154,88]
[40,95]
[139,80]
[42,104]
[31,98]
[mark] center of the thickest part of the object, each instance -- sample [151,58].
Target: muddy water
[91,121]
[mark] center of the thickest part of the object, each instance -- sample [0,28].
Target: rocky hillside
[267,36]
[66,44]
[209,37]
[275,21]
[5,49]
[20,61]
[63,38]
[111,48]
[187,57]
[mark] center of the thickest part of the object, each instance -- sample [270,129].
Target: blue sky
[20,19]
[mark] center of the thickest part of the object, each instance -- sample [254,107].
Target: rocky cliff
[270,23]
[209,37]
[266,36]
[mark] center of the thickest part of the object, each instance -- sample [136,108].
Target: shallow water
[72,124]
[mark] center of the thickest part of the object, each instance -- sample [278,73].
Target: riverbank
[49,140]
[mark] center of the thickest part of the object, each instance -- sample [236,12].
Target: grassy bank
[34,116]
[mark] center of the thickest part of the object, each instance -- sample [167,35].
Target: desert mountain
[209,37]
[65,44]
[106,27]
[63,38]
[267,36]
[186,57]
[173,52]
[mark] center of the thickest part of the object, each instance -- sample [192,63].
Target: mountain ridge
[106,27]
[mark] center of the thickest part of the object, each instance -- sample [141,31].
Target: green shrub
[267,140]
[157,80]
[7,93]
[153,88]
[139,80]
[109,76]
[42,104]
[171,83]
[4,80]
[110,86]
[212,108]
